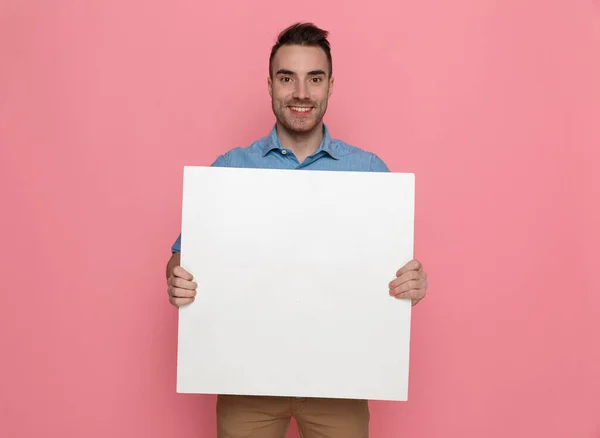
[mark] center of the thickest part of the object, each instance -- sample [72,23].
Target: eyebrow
[291,73]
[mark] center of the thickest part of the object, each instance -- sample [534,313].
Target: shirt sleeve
[177,245]
[221,161]
[377,165]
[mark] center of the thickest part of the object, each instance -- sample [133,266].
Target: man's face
[300,87]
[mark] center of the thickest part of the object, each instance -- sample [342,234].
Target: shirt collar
[273,142]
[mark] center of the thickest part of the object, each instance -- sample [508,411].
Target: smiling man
[300,83]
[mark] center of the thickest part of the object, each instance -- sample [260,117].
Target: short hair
[303,34]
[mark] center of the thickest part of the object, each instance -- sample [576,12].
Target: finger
[181,283]
[407,276]
[413,265]
[178,271]
[178,302]
[410,286]
[413,294]
[176,292]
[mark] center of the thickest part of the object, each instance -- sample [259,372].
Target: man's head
[300,77]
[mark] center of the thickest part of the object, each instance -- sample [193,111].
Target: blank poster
[293,269]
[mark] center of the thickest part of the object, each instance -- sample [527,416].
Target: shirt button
[284,152]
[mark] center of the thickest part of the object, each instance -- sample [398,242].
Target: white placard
[293,269]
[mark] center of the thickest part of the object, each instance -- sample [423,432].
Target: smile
[300,109]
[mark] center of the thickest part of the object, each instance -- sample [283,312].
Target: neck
[302,144]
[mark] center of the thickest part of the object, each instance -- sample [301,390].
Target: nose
[301,91]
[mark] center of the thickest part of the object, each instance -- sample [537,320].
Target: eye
[316,80]
[285,79]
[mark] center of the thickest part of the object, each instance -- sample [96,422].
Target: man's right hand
[181,287]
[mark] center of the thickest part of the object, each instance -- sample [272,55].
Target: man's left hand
[410,282]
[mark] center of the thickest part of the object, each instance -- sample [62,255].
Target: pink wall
[494,105]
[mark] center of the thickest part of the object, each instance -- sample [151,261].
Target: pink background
[495,105]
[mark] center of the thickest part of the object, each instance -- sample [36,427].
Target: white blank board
[293,270]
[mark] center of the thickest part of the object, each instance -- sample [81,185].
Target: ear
[270,85]
[331,83]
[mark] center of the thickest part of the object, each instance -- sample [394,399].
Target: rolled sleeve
[177,245]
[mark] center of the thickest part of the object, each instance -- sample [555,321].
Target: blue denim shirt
[267,153]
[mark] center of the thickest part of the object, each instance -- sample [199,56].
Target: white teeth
[301,110]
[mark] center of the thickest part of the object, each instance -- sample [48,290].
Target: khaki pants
[269,417]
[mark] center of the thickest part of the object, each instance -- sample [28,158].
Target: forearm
[173,262]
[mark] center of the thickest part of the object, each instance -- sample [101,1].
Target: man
[300,83]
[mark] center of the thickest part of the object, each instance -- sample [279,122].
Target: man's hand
[181,287]
[410,282]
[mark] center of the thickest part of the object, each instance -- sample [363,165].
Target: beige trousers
[269,417]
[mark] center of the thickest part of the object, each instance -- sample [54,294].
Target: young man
[300,83]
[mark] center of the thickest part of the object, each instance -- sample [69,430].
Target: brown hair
[303,34]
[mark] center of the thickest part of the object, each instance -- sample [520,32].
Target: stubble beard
[299,125]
